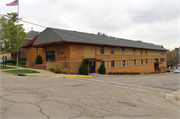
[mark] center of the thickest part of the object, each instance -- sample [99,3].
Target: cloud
[149,21]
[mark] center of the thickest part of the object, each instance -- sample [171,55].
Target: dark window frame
[112,50]
[50,56]
[102,50]
[146,61]
[141,51]
[123,51]
[162,52]
[134,52]
[162,59]
[141,61]
[146,52]
[134,62]
[112,63]
[124,63]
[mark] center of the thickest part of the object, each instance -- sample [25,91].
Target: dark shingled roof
[52,35]
[31,34]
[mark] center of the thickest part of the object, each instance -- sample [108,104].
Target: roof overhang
[94,44]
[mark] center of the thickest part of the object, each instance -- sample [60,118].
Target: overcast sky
[152,21]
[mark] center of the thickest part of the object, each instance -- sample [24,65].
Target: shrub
[38,60]
[72,73]
[64,68]
[57,70]
[13,61]
[23,63]
[52,68]
[114,73]
[110,73]
[102,69]
[84,69]
[22,59]
[168,70]
[65,73]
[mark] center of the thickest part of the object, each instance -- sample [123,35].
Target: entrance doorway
[156,66]
[92,67]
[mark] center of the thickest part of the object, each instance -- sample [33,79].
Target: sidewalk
[44,73]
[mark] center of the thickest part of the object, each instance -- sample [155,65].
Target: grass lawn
[21,71]
[7,67]
[24,66]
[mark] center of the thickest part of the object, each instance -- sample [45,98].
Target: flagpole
[17,33]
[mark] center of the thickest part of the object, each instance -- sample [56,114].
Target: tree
[8,33]
[172,57]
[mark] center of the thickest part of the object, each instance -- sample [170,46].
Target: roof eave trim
[81,43]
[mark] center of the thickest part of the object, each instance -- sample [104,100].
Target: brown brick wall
[76,52]
[139,69]
[30,64]
[32,54]
[42,53]
[62,51]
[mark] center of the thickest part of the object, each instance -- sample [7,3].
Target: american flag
[12,3]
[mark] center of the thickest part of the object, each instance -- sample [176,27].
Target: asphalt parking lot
[139,97]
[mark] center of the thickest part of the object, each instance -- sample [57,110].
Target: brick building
[63,48]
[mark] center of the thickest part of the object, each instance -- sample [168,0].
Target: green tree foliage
[84,69]
[172,57]
[8,33]
[38,60]
[102,69]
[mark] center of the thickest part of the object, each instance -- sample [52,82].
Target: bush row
[124,73]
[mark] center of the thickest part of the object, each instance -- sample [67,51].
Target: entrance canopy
[92,59]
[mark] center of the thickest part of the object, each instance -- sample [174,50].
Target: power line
[28,22]
[33,23]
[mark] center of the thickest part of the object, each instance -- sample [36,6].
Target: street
[106,97]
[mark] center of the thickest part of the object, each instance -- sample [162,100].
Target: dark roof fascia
[80,43]
[30,43]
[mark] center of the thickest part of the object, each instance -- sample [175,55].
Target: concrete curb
[173,97]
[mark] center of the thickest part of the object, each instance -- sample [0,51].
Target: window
[102,50]
[112,50]
[50,56]
[141,52]
[146,61]
[162,53]
[123,51]
[141,61]
[134,51]
[112,64]
[134,62]
[162,60]
[146,52]
[102,63]
[123,62]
